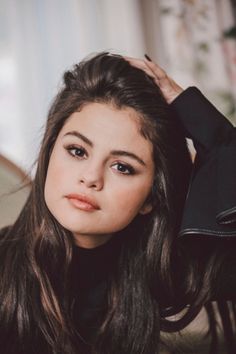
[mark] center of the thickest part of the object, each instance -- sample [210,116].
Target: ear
[146,208]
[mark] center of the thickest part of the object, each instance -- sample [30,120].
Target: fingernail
[147,57]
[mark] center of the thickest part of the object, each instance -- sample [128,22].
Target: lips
[82,202]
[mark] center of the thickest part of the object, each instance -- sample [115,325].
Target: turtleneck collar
[91,266]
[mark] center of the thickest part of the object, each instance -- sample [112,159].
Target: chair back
[12,196]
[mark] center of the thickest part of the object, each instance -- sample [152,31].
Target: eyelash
[130,169]
[71,148]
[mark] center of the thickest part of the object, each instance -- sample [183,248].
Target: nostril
[91,181]
[88,183]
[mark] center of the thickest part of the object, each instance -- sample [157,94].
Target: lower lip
[79,204]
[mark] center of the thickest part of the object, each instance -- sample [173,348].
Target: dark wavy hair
[35,302]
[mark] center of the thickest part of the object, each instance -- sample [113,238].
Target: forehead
[105,124]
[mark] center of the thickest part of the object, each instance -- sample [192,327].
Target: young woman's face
[100,173]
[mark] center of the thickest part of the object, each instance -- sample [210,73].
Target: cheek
[130,200]
[126,205]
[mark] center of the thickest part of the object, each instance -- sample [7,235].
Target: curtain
[39,40]
[193,40]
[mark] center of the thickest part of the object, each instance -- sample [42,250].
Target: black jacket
[210,208]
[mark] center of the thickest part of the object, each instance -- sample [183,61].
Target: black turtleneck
[91,270]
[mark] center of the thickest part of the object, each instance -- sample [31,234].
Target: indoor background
[193,40]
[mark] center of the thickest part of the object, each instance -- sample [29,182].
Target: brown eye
[124,169]
[76,151]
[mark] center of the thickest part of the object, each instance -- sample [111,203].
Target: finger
[137,62]
[144,63]
[151,69]
[141,65]
[169,88]
[131,58]
[164,81]
[156,69]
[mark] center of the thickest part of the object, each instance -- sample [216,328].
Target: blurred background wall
[193,40]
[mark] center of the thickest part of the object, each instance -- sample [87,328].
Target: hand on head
[169,88]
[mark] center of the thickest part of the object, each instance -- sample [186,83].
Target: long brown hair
[34,296]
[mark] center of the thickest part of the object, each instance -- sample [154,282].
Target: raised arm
[210,208]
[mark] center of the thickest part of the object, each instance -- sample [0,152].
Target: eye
[123,168]
[76,151]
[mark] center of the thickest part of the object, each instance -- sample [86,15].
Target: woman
[94,249]
[209,216]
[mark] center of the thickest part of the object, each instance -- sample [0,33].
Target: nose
[92,177]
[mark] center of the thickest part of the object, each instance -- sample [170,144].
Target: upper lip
[83,198]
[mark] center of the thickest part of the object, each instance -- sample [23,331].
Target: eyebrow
[113,152]
[80,136]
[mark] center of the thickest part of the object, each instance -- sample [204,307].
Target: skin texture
[93,171]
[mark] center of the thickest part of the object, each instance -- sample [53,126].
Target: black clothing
[210,208]
[91,269]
